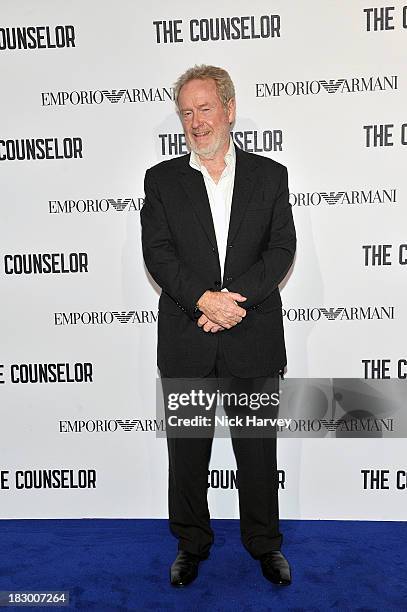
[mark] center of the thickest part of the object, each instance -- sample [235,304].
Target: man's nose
[196,120]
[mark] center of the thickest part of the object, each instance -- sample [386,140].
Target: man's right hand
[222,308]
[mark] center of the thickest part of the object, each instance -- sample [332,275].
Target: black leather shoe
[184,569]
[275,567]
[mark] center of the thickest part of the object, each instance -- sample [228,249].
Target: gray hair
[223,82]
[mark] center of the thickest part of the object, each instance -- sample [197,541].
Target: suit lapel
[194,185]
[242,190]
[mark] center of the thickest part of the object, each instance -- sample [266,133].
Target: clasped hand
[220,310]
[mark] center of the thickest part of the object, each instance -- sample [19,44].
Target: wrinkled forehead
[198,92]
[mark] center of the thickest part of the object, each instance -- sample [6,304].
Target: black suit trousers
[257,481]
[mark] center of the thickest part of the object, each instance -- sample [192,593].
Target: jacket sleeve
[172,275]
[263,277]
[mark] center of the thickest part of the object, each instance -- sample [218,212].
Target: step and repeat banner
[86,107]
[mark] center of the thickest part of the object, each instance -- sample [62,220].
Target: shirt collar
[230,157]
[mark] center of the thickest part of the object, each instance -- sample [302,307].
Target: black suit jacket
[180,252]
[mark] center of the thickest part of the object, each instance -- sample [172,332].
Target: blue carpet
[109,565]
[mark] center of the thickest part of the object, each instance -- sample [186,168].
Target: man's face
[205,121]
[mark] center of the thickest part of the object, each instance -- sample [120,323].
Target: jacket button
[217,283]
[230,246]
[229,278]
[213,249]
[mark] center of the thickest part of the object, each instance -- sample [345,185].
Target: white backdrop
[95,74]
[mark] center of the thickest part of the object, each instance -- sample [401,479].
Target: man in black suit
[218,237]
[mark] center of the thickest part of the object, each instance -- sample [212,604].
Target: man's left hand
[208,325]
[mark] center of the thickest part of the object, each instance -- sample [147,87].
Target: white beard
[209,150]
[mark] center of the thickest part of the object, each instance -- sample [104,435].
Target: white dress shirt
[220,197]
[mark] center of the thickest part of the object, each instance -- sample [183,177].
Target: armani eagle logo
[127,424]
[332,197]
[119,204]
[115,95]
[332,86]
[331,424]
[331,313]
[124,317]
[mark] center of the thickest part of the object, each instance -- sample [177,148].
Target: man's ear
[231,109]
